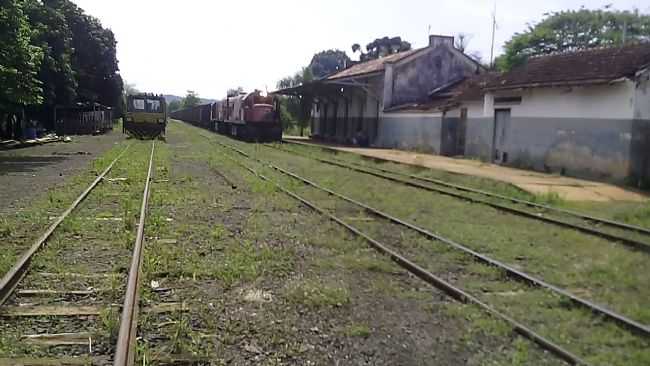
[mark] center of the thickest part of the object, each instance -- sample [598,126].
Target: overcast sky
[170,46]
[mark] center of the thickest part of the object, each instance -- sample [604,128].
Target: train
[252,117]
[146,116]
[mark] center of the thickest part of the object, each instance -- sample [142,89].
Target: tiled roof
[371,66]
[598,65]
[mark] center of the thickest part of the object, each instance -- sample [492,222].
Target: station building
[584,113]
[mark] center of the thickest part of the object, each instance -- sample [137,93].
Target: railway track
[61,301]
[517,298]
[634,237]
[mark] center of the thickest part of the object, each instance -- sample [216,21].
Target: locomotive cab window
[138,105]
[153,106]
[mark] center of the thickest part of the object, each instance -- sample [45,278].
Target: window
[153,105]
[138,104]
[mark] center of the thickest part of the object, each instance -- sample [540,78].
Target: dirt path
[571,189]
[28,173]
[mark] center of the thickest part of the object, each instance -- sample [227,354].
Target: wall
[579,131]
[599,101]
[642,96]
[410,131]
[416,76]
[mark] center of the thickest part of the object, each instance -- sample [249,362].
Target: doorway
[500,136]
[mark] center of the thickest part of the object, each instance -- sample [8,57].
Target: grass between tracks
[591,268]
[634,213]
[270,282]
[90,250]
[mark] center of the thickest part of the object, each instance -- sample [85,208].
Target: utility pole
[494,29]
[624,31]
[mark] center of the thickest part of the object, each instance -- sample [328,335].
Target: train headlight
[129,119]
[161,120]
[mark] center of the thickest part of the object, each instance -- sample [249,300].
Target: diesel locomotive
[146,116]
[251,117]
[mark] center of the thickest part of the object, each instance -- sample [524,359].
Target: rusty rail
[454,292]
[126,341]
[634,244]
[514,273]
[11,279]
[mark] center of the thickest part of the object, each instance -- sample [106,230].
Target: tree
[191,99]
[295,111]
[327,62]
[233,92]
[52,34]
[574,30]
[20,59]
[95,56]
[381,47]
[461,41]
[174,105]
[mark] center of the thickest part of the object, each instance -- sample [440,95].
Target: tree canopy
[191,99]
[327,62]
[234,91]
[20,59]
[381,47]
[53,54]
[573,30]
[295,111]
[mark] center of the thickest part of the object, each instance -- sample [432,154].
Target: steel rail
[452,291]
[125,348]
[627,323]
[11,279]
[599,220]
[634,244]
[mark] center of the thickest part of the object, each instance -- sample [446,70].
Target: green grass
[590,267]
[357,330]
[315,294]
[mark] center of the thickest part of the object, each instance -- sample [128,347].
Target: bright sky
[167,46]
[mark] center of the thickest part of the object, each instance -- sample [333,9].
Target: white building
[583,113]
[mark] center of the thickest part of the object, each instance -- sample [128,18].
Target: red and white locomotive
[248,116]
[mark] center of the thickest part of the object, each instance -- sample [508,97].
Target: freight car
[199,116]
[250,117]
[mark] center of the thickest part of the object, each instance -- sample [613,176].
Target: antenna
[494,29]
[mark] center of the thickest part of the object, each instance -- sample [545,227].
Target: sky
[209,46]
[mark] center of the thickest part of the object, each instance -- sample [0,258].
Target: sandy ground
[29,172]
[571,189]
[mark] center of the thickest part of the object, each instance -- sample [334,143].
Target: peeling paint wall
[642,96]
[412,81]
[593,148]
[478,138]
[410,132]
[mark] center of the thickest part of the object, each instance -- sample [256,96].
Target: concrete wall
[415,77]
[642,96]
[410,131]
[599,101]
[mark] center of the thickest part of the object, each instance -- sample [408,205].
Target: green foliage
[327,62]
[174,105]
[574,30]
[382,47]
[20,59]
[52,53]
[191,99]
[52,34]
[295,111]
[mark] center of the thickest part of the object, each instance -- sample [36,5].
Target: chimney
[436,40]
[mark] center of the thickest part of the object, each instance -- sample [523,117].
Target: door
[500,135]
